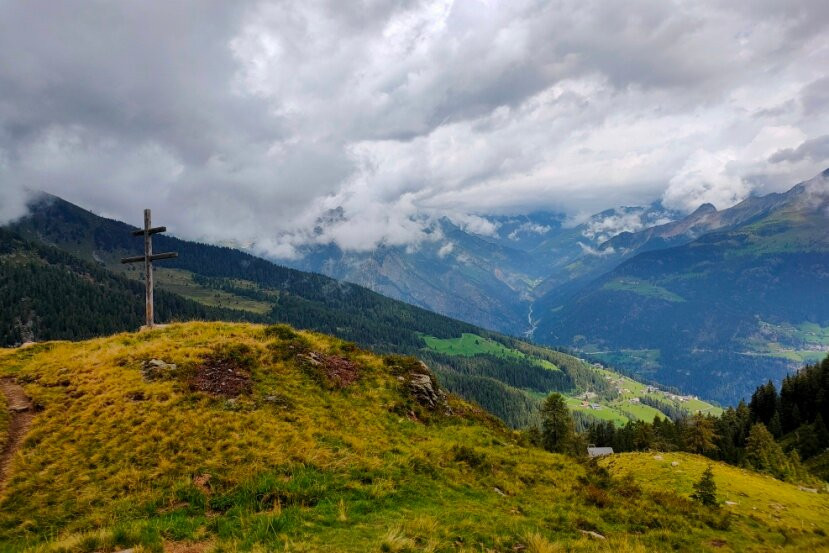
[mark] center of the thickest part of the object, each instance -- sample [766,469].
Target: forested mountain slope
[718,315]
[47,293]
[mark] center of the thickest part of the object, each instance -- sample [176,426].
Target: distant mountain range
[491,279]
[572,284]
[714,303]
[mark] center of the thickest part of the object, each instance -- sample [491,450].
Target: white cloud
[257,120]
[446,249]
[599,228]
[529,228]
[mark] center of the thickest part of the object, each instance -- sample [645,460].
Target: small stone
[657,457]
[498,491]
[731,503]
[674,463]
[593,534]
[805,489]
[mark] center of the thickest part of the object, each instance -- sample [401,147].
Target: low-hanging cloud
[287,124]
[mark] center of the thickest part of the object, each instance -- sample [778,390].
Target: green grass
[114,460]
[642,288]
[642,412]
[629,389]
[469,345]
[620,410]
[758,500]
[181,282]
[797,343]
[605,413]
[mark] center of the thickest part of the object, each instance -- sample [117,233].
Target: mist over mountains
[684,299]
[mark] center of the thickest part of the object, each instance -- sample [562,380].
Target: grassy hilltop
[263,438]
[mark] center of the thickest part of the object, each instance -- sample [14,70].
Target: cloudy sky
[287,123]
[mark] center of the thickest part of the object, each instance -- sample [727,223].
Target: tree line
[776,432]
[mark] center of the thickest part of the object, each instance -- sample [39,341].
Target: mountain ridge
[732,303]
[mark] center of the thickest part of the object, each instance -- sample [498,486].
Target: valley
[430,276]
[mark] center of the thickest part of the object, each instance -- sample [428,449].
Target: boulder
[156,369]
[423,391]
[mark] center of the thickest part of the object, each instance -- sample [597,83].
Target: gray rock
[156,369]
[592,534]
[423,391]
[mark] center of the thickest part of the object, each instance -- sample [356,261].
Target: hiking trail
[22,412]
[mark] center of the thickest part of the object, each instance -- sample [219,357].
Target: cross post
[148,259]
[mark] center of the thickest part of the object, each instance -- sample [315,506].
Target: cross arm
[154,230]
[156,257]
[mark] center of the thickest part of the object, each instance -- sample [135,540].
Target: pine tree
[764,454]
[705,489]
[556,425]
[700,434]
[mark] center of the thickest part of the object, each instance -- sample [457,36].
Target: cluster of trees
[50,294]
[773,433]
[557,434]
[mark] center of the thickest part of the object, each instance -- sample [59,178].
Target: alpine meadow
[436,276]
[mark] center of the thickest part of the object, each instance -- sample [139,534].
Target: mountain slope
[219,279]
[486,277]
[717,315]
[47,293]
[457,274]
[302,442]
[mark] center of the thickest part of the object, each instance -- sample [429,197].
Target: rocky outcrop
[420,386]
[425,390]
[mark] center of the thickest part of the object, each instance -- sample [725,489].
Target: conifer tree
[764,454]
[700,434]
[556,425]
[705,489]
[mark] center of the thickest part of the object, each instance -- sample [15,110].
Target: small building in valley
[599,451]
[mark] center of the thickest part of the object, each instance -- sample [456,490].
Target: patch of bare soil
[221,376]
[338,370]
[22,413]
[183,547]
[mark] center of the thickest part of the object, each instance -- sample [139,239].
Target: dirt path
[22,413]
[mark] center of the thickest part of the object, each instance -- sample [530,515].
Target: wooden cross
[148,259]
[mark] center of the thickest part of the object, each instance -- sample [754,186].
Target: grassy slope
[112,461]
[759,500]
[619,410]
[470,345]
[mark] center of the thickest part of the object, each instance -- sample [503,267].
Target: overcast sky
[252,121]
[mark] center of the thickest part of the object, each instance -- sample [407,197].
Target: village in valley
[636,401]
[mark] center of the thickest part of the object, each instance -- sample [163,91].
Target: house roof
[599,451]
